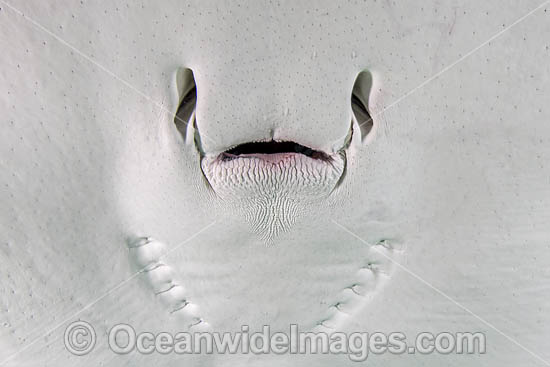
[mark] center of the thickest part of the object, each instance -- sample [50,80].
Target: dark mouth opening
[273,147]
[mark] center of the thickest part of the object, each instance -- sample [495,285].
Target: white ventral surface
[456,180]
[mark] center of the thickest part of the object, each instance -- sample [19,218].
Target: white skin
[455,177]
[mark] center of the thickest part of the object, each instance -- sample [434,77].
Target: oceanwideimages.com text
[80,339]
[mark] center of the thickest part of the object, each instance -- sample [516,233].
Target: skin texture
[271,192]
[452,183]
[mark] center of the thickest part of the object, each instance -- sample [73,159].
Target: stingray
[343,166]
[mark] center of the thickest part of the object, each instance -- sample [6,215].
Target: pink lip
[268,158]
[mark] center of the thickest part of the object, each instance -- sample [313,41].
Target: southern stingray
[340,165]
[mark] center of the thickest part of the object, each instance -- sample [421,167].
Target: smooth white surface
[456,176]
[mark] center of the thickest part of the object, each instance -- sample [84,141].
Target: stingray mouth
[271,169]
[272,150]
